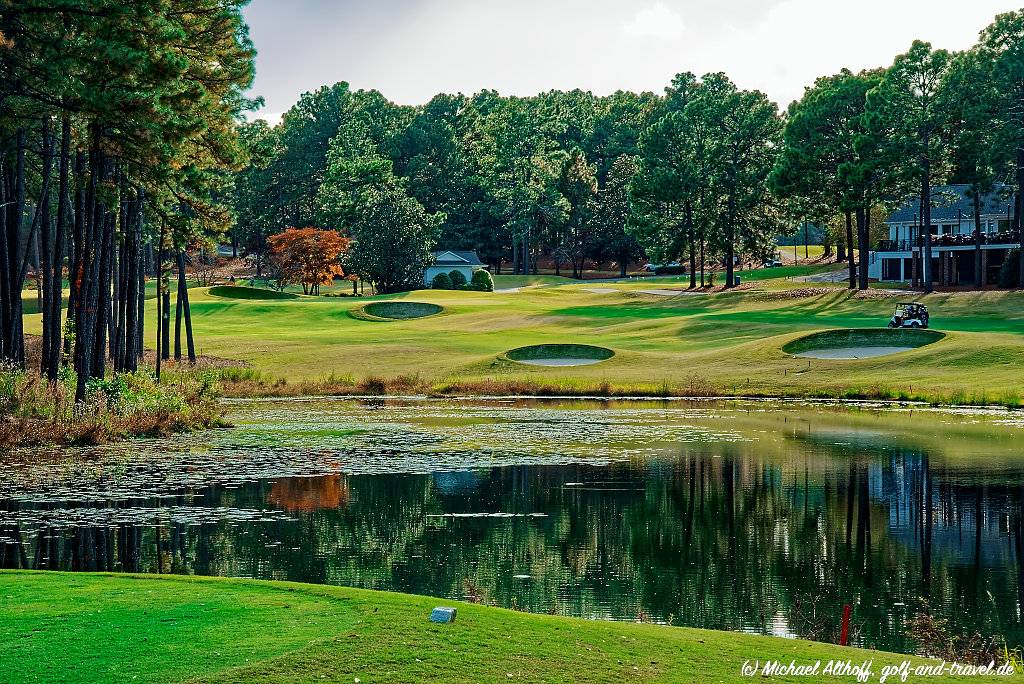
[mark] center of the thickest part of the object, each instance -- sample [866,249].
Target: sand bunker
[860,343]
[852,353]
[560,355]
[395,311]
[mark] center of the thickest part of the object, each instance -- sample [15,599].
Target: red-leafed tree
[309,256]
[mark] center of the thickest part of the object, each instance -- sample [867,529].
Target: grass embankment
[722,343]
[34,412]
[104,628]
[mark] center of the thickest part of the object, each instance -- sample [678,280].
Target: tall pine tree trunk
[47,257]
[730,247]
[6,217]
[103,302]
[926,207]
[1018,222]
[979,277]
[161,313]
[75,267]
[165,340]
[691,235]
[862,247]
[849,247]
[52,362]
[87,305]
[177,315]
[187,310]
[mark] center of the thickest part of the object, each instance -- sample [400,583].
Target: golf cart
[910,315]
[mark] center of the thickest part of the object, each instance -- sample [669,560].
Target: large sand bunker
[860,343]
[559,355]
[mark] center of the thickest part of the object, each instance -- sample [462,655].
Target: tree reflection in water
[714,535]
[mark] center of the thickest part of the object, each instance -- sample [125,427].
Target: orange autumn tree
[307,255]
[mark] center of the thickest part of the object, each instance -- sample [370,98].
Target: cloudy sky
[413,49]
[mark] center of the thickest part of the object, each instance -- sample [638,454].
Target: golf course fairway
[723,343]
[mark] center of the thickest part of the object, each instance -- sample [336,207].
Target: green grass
[505,282]
[238,292]
[117,628]
[398,311]
[30,298]
[862,337]
[786,271]
[725,343]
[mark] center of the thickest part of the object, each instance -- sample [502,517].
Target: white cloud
[413,50]
[272,118]
[656,21]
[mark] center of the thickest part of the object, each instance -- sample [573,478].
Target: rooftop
[456,258]
[950,202]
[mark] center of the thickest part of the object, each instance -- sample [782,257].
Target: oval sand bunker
[395,311]
[560,355]
[866,343]
[852,353]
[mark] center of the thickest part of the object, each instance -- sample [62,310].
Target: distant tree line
[118,123]
[701,174]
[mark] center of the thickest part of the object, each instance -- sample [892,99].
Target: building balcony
[1004,238]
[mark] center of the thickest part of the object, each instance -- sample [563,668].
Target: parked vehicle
[671,268]
[909,315]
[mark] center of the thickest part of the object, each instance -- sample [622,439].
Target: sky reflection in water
[761,517]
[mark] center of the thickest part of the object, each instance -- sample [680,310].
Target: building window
[891,269]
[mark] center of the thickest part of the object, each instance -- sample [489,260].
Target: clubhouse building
[954,247]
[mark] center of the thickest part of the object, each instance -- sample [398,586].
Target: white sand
[600,290]
[852,353]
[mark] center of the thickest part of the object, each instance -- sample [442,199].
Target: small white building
[955,248]
[446,262]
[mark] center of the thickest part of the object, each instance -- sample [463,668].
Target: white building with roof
[449,260]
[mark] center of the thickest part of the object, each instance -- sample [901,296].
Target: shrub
[458,280]
[441,281]
[1009,274]
[120,406]
[483,281]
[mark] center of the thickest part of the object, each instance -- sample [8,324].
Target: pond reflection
[762,517]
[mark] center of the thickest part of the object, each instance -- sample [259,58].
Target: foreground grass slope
[726,343]
[104,628]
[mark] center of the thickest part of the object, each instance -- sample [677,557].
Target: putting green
[559,355]
[860,343]
[396,311]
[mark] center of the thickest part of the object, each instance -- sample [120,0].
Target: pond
[765,517]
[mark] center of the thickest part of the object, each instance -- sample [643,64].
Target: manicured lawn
[729,343]
[240,292]
[109,628]
[505,282]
